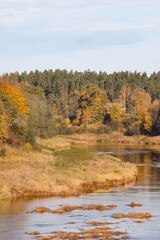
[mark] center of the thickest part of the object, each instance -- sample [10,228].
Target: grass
[2,152]
[74,154]
[72,158]
[52,172]
[48,148]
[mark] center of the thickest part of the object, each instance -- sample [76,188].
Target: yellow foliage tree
[143,98]
[116,112]
[91,105]
[3,123]
[148,123]
[18,99]
[141,114]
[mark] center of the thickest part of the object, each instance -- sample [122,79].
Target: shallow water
[14,223]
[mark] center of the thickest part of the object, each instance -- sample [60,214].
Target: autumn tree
[14,109]
[141,114]
[116,112]
[91,104]
[125,94]
[73,102]
[154,111]
[3,122]
[148,123]
[143,99]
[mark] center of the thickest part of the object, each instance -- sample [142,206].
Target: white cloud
[79,22]
[76,15]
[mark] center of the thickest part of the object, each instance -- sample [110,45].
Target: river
[14,223]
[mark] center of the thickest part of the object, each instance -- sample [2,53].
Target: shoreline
[59,168]
[64,141]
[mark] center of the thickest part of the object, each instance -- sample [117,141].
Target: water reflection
[148,168]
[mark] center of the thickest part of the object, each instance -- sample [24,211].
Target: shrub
[27,147]
[62,130]
[92,128]
[84,128]
[70,131]
[30,136]
[103,129]
[2,152]
[78,129]
[13,139]
[115,125]
[133,129]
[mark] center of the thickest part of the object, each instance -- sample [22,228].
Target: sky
[100,35]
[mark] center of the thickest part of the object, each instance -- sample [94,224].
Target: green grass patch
[48,148]
[72,158]
[74,153]
[103,140]
[114,159]
[2,152]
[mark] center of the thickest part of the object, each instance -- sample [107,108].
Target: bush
[27,147]
[70,131]
[133,129]
[13,139]
[2,152]
[62,130]
[103,129]
[115,125]
[128,120]
[78,129]
[30,136]
[92,128]
[84,128]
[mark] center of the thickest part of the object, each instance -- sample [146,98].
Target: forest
[59,102]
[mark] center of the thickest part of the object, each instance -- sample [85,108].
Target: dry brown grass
[34,233]
[66,208]
[133,215]
[104,233]
[132,204]
[112,206]
[63,142]
[42,173]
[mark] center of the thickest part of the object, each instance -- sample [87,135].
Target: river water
[14,223]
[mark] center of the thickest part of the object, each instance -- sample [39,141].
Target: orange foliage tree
[18,99]
[13,106]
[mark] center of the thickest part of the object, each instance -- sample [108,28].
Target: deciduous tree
[116,112]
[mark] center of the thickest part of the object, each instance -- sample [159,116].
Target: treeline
[61,102]
[52,82]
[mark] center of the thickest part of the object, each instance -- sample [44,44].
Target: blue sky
[106,35]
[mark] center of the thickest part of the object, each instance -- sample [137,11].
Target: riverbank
[59,168]
[63,142]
